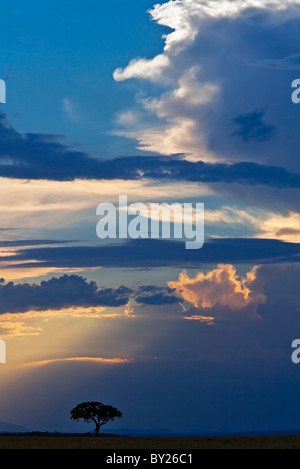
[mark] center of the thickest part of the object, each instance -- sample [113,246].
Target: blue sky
[70,49]
[187,102]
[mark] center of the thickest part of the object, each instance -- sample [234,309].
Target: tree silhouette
[95,412]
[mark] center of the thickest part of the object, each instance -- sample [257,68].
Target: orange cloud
[283,227]
[219,286]
[205,319]
[17,329]
[19,324]
[80,359]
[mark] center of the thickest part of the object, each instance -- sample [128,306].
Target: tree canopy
[95,412]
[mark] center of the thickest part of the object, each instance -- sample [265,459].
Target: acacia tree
[95,412]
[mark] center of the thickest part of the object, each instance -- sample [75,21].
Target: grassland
[115,443]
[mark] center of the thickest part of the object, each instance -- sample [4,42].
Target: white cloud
[71,109]
[180,133]
[209,64]
[142,68]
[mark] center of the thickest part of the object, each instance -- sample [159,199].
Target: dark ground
[57,441]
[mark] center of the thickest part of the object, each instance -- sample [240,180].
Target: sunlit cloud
[209,320]
[143,68]
[15,328]
[185,16]
[263,223]
[180,133]
[20,323]
[4,252]
[37,205]
[219,286]
[186,118]
[129,310]
[282,227]
[76,312]
[11,273]
[81,359]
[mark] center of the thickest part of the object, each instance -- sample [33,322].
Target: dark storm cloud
[75,291]
[145,253]
[56,293]
[39,156]
[152,295]
[252,127]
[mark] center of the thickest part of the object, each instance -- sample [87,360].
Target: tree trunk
[97,429]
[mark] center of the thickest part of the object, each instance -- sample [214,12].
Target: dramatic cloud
[180,133]
[186,18]
[72,294]
[219,286]
[57,293]
[218,71]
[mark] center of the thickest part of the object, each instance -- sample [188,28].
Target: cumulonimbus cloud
[185,18]
[217,50]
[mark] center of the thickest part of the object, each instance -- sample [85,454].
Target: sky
[185,101]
